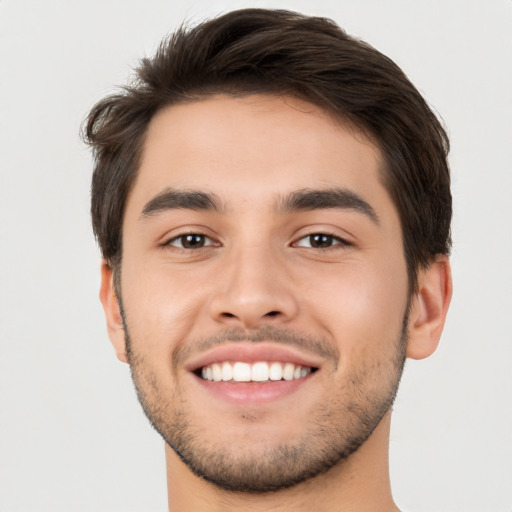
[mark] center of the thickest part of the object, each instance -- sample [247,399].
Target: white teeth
[227,371]
[288,371]
[260,371]
[276,371]
[242,372]
[217,372]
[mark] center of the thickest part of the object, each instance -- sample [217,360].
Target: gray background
[72,435]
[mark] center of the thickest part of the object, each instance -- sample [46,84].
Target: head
[256,51]
[312,180]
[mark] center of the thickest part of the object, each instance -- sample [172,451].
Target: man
[272,202]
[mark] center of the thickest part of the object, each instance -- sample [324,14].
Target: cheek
[160,306]
[361,308]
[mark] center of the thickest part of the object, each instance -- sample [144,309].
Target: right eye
[191,241]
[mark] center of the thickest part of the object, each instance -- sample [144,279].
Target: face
[263,287]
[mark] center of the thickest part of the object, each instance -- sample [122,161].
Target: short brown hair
[253,51]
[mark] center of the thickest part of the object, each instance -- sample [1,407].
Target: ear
[428,308]
[112,310]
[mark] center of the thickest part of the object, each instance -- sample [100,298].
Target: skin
[258,272]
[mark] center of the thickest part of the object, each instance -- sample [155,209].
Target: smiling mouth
[260,371]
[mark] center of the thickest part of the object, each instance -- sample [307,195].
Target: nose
[254,289]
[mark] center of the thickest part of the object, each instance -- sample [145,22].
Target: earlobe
[429,308]
[112,311]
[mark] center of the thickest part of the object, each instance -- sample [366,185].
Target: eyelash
[184,236]
[332,241]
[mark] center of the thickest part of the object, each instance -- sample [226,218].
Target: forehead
[253,148]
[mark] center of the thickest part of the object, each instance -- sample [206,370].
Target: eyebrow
[300,200]
[339,198]
[172,199]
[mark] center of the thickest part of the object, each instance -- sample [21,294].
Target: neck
[360,482]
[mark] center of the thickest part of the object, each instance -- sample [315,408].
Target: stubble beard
[336,432]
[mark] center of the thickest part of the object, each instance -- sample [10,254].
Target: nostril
[228,315]
[272,313]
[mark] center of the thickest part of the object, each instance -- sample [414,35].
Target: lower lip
[253,392]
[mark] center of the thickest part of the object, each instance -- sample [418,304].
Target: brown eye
[321,241]
[191,241]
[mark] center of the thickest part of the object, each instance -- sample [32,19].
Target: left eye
[320,241]
[191,241]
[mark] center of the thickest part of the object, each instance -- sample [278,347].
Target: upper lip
[250,352]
